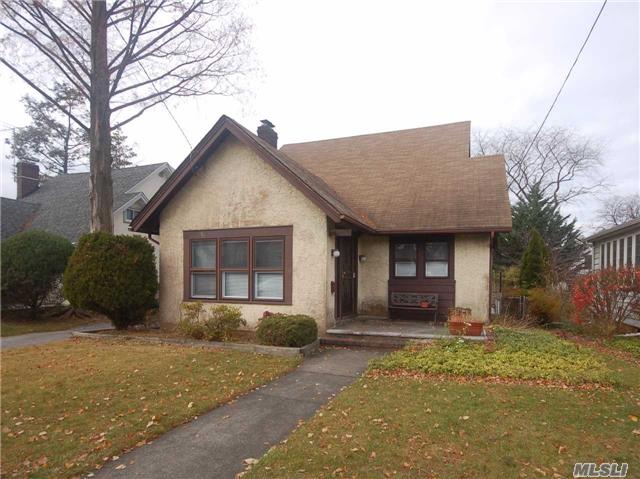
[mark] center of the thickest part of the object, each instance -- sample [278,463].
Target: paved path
[33,339]
[216,444]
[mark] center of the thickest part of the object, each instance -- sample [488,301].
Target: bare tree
[617,210]
[563,165]
[124,58]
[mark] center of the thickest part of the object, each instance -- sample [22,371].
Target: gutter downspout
[150,238]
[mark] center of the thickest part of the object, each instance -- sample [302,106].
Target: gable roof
[14,215]
[419,180]
[62,202]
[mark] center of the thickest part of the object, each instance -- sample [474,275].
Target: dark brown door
[347,275]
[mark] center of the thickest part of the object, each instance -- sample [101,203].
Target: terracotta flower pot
[459,328]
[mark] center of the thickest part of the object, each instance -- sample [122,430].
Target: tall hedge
[32,264]
[535,263]
[114,276]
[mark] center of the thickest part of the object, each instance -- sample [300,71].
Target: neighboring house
[397,223]
[60,204]
[617,246]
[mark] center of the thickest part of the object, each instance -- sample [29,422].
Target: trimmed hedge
[294,330]
[112,275]
[32,264]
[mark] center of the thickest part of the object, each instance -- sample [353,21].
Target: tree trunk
[100,129]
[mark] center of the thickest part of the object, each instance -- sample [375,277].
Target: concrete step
[364,341]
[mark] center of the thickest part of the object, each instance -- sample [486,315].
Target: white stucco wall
[472,264]
[373,275]
[236,188]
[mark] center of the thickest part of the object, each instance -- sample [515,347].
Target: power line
[565,79]
[161,99]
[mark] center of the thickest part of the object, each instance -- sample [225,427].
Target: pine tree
[559,232]
[535,263]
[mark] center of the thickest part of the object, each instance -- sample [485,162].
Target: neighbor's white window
[436,255]
[203,269]
[268,269]
[130,214]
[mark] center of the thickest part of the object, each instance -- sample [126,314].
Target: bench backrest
[414,299]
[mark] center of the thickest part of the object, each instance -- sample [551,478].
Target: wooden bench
[415,301]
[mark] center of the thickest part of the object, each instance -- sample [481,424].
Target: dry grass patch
[14,323]
[69,407]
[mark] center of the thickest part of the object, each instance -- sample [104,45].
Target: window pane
[269,253]
[437,269]
[203,285]
[269,286]
[203,254]
[437,251]
[405,268]
[405,252]
[235,285]
[234,254]
[629,247]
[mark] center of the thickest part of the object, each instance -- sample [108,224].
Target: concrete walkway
[216,444]
[33,339]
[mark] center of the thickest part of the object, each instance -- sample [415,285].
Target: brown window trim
[250,234]
[420,241]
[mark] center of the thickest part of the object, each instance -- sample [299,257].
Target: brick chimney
[267,133]
[27,178]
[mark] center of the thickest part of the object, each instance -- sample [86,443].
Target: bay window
[239,265]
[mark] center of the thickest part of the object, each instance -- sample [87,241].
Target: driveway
[216,444]
[33,339]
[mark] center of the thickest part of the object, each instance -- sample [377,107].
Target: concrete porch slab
[373,326]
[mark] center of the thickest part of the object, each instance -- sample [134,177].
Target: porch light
[335,253]
[362,258]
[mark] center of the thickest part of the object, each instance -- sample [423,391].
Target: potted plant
[462,324]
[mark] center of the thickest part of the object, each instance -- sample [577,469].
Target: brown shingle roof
[412,180]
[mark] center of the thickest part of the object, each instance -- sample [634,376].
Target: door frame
[338,291]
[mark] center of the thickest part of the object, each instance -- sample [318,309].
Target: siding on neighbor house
[472,275]
[622,241]
[235,188]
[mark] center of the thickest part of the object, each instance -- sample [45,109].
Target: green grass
[402,427]
[68,406]
[520,354]
[628,345]
[19,322]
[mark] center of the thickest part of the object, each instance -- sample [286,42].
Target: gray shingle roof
[63,200]
[14,214]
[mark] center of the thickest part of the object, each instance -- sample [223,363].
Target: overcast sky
[329,69]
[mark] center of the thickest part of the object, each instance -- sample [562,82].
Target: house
[398,224]
[617,246]
[60,204]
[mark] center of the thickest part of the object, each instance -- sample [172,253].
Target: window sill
[239,301]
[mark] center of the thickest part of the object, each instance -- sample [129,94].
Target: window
[234,263]
[436,255]
[203,269]
[615,244]
[130,214]
[621,255]
[405,260]
[637,263]
[268,269]
[602,256]
[239,265]
[629,248]
[608,254]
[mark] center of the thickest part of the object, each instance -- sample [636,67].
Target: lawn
[19,322]
[70,406]
[448,419]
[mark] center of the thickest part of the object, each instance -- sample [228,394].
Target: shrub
[217,325]
[114,276]
[605,298]
[287,330]
[32,263]
[535,259]
[545,306]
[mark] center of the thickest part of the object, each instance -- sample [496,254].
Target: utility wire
[161,99]
[565,80]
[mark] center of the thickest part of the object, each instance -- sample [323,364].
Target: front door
[346,275]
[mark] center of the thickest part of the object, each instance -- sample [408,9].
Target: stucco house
[398,224]
[60,204]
